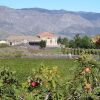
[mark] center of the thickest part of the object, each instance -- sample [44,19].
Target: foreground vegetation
[26,69]
[23,67]
[50,79]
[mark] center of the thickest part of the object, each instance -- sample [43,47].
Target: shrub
[42,44]
[86,82]
[2,45]
[8,84]
[45,83]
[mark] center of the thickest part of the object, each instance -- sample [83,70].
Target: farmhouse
[51,39]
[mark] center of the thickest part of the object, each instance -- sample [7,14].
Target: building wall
[51,42]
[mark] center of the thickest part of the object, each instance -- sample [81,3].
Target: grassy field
[29,51]
[23,67]
[20,51]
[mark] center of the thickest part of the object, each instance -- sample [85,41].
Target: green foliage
[68,81]
[86,80]
[23,67]
[78,51]
[50,85]
[3,45]
[86,42]
[59,40]
[63,41]
[77,40]
[8,84]
[83,42]
[42,44]
[72,44]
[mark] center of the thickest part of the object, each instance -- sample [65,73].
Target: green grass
[46,51]
[17,51]
[23,67]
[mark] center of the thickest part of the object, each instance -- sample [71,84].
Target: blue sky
[70,5]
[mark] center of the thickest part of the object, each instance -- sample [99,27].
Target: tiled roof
[46,35]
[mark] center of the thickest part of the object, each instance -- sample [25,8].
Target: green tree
[42,44]
[59,40]
[65,41]
[72,44]
[86,42]
[77,40]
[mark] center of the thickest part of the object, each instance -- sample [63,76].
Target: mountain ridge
[34,20]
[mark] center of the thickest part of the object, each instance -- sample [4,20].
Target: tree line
[79,42]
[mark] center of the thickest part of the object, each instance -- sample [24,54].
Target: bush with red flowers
[32,84]
[45,83]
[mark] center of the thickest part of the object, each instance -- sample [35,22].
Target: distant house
[51,39]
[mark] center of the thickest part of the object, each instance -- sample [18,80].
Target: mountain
[34,20]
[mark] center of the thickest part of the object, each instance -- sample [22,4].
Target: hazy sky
[70,5]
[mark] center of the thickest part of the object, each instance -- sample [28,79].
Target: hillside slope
[34,20]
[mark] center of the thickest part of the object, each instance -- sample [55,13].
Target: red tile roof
[46,35]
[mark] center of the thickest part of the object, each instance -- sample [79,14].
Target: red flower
[34,84]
